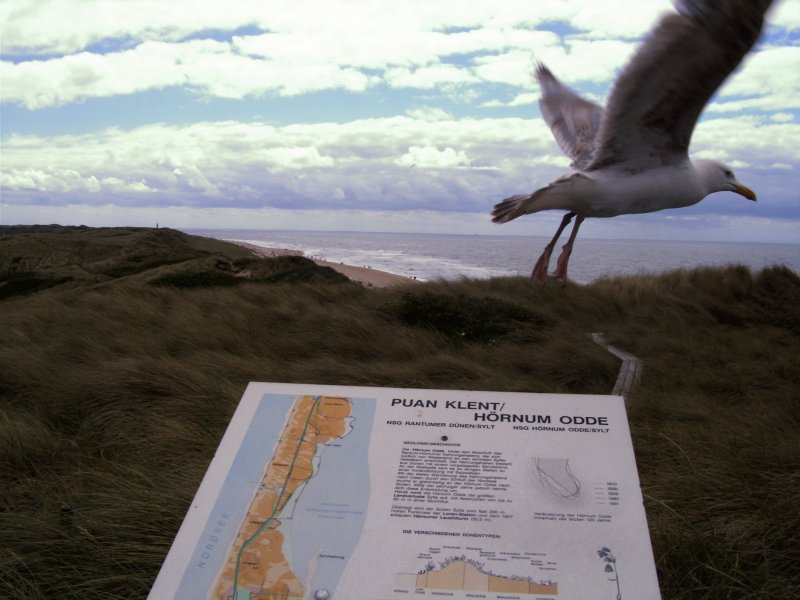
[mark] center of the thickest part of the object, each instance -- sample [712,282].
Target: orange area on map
[462,575]
[263,569]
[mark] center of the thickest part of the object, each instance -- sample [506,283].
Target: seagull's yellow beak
[744,191]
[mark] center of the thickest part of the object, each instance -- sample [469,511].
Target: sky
[357,115]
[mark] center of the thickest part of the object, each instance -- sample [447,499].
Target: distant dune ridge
[124,351]
[37,257]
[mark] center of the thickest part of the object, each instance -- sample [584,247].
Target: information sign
[354,493]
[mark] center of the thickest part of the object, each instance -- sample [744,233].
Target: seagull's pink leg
[563,260]
[540,269]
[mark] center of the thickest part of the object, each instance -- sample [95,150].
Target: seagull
[632,157]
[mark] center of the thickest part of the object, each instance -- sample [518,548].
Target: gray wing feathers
[573,120]
[659,96]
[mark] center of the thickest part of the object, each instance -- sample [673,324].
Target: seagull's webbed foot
[540,269]
[563,260]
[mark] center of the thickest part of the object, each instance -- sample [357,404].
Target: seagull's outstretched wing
[658,97]
[573,120]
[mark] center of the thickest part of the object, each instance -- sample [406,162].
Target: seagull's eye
[728,173]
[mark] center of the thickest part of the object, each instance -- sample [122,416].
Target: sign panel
[354,493]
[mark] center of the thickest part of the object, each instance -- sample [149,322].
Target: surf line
[265,525]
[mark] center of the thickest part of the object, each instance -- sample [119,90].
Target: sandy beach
[363,275]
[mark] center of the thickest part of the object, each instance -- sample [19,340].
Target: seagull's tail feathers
[511,208]
[558,195]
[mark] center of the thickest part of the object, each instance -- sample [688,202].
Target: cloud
[757,140]
[769,80]
[785,14]
[782,117]
[203,66]
[277,63]
[460,164]
[383,47]
[57,180]
[574,60]
[429,77]
[519,100]
[430,157]
[66,27]
[105,49]
[429,113]
[628,20]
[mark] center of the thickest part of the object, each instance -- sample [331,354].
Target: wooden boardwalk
[630,371]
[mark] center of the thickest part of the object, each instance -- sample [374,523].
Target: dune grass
[113,399]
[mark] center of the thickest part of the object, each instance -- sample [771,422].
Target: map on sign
[329,492]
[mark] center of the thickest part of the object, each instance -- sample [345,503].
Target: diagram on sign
[450,568]
[557,478]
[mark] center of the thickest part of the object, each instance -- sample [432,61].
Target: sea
[428,257]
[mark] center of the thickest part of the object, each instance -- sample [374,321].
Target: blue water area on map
[237,492]
[329,515]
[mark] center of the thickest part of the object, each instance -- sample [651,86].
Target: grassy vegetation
[115,393]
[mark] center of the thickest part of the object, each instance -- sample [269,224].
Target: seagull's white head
[720,178]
